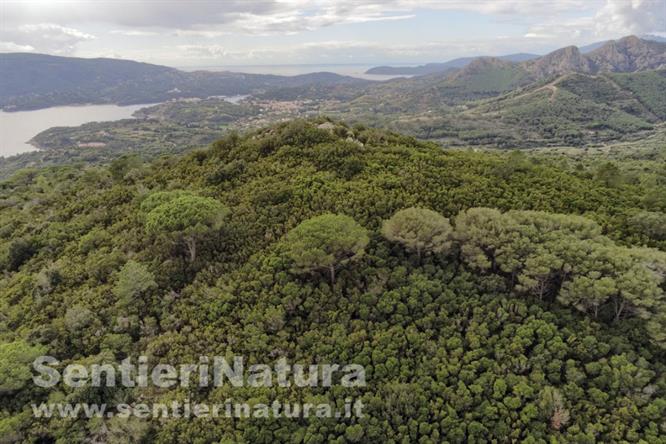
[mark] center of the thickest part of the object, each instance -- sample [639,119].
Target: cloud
[133,32]
[557,30]
[295,16]
[45,37]
[51,30]
[203,51]
[133,14]
[260,16]
[197,28]
[208,34]
[350,51]
[631,17]
[208,19]
[298,21]
[536,35]
[613,19]
[428,50]
[14,47]
[502,7]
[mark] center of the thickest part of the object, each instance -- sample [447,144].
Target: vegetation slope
[462,342]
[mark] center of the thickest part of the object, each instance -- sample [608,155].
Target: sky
[190,33]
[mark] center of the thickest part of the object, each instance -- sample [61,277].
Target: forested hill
[490,297]
[32,81]
[574,109]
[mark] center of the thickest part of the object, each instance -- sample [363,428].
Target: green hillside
[524,310]
[484,78]
[573,110]
[647,87]
[561,113]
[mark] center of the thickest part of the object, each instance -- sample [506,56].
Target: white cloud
[197,29]
[51,30]
[296,21]
[15,47]
[506,7]
[203,51]
[133,32]
[46,37]
[208,34]
[260,16]
[558,30]
[340,51]
[613,19]
[631,17]
[133,14]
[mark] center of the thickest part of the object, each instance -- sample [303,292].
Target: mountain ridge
[630,53]
[433,68]
[34,81]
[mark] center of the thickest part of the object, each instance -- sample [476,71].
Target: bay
[17,128]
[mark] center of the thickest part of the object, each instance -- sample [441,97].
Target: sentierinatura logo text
[216,372]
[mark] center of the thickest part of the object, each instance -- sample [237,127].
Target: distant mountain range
[490,76]
[629,54]
[567,97]
[33,81]
[433,68]
[571,109]
[615,92]
[452,65]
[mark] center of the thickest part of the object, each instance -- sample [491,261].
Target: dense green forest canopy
[529,308]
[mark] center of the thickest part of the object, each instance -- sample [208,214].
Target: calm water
[18,127]
[352,69]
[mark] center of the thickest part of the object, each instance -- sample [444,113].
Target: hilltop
[486,333]
[564,60]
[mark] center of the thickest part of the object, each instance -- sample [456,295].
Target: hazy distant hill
[615,92]
[625,55]
[487,77]
[432,68]
[483,77]
[654,38]
[32,81]
[451,65]
[568,59]
[592,46]
[572,110]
